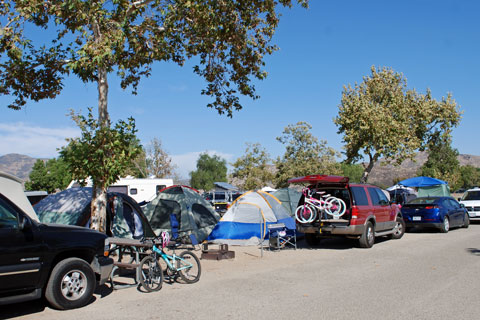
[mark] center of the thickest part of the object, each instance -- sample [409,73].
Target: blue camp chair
[174,226]
[280,236]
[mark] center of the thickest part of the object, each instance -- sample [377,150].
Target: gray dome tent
[194,214]
[72,207]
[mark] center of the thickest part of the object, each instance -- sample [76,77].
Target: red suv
[368,212]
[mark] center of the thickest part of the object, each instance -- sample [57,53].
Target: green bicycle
[186,265]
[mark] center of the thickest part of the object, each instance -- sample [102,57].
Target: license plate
[417,218]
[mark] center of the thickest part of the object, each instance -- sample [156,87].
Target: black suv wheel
[71,284]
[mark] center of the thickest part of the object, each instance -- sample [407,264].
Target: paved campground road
[425,275]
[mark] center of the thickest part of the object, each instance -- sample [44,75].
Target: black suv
[60,263]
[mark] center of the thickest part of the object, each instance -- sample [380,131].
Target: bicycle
[307,212]
[186,265]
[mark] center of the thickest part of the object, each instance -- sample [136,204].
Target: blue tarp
[417,182]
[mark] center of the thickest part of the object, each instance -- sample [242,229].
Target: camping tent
[194,214]
[72,207]
[245,222]
[427,186]
[289,198]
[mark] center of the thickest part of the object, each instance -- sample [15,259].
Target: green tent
[289,198]
[194,214]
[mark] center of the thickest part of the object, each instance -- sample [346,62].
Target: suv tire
[367,239]
[312,239]
[71,284]
[399,229]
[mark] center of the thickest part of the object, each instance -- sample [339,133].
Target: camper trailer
[142,190]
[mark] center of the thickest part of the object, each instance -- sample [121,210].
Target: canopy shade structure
[421,182]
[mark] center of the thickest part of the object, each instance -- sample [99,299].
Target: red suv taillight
[355,213]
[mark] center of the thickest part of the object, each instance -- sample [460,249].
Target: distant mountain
[18,165]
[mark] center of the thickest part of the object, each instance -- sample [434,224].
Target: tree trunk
[99,196]
[102,83]
[368,168]
[99,209]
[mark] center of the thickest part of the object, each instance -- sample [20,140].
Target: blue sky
[435,44]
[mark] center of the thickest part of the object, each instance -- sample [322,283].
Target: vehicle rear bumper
[424,224]
[103,267]
[333,229]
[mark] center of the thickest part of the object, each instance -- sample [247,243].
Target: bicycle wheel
[335,206]
[188,266]
[305,213]
[152,274]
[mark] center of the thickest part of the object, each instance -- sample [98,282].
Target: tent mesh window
[174,190]
[161,216]
[203,217]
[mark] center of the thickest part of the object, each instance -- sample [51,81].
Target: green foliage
[51,175]
[380,117]
[254,168]
[228,39]
[304,155]
[353,171]
[442,162]
[102,153]
[210,169]
[469,177]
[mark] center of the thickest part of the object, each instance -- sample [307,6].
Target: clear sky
[434,43]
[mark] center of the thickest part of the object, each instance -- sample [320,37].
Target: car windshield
[423,201]
[471,195]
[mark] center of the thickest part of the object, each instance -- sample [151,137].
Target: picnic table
[129,254]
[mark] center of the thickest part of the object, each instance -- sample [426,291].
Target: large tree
[254,168]
[51,175]
[380,117]
[304,154]
[442,162]
[93,39]
[210,169]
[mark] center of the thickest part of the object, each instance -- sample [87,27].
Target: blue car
[437,212]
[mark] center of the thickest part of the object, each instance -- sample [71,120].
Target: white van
[471,201]
[141,190]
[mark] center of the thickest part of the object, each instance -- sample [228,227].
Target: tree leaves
[229,38]
[380,117]
[101,153]
[254,168]
[210,169]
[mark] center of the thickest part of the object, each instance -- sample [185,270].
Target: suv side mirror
[462,205]
[23,223]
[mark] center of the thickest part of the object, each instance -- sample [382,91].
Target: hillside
[18,165]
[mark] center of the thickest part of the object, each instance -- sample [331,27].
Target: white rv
[142,190]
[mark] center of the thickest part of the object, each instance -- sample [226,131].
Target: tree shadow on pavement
[474,251]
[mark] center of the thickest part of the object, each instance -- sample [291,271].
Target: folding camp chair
[174,226]
[280,236]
